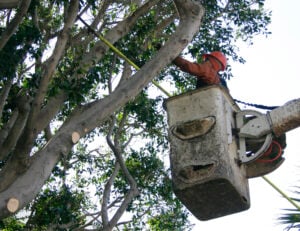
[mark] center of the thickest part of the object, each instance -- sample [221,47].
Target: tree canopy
[83,134]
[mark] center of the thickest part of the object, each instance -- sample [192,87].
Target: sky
[269,77]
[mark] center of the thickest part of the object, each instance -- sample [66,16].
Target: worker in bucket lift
[207,73]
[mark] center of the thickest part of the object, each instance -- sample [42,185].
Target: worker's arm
[202,71]
[187,66]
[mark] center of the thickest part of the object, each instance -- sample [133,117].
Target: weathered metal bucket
[206,173]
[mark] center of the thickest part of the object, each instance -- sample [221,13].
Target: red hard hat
[219,56]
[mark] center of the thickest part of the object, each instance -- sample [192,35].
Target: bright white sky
[269,77]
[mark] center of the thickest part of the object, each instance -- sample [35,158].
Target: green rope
[282,193]
[121,55]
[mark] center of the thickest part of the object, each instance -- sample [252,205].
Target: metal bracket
[255,126]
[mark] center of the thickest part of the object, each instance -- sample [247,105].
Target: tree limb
[94,216]
[14,133]
[106,195]
[4,94]
[113,35]
[51,64]
[13,25]
[52,107]
[6,130]
[48,133]
[117,150]
[127,72]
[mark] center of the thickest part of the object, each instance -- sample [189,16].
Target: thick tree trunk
[88,117]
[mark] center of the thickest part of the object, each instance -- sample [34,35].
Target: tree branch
[94,216]
[5,131]
[14,133]
[51,64]
[4,94]
[117,150]
[13,25]
[106,195]
[48,133]
[47,113]
[127,72]
[113,35]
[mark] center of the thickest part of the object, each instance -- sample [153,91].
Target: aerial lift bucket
[206,174]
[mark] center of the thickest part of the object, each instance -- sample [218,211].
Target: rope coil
[269,152]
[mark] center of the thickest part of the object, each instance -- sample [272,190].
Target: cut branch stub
[13,204]
[75,137]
